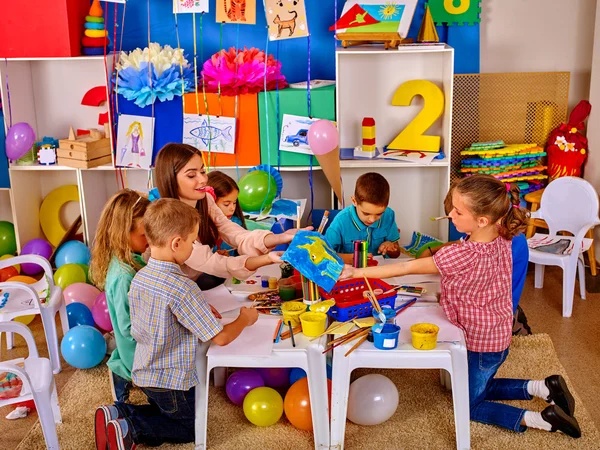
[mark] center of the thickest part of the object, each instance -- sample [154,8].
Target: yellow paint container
[291,312]
[424,336]
[313,323]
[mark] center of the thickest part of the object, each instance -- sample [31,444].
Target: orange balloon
[23,279]
[297,404]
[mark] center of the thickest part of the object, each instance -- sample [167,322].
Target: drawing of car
[300,138]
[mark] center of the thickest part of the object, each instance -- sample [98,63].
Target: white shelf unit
[367,78]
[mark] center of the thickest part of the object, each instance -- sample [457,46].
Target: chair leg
[220,376]
[581,274]
[539,276]
[592,253]
[64,318]
[460,396]
[9,341]
[568,290]
[47,419]
[54,404]
[48,321]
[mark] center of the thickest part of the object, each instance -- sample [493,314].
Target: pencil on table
[355,346]
[292,334]
[276,334]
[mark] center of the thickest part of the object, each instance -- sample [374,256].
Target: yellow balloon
[263,406]
[28,280]
[16,266]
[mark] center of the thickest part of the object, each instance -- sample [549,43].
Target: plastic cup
[291,312]
[390,314]
[313,323]
[424,336]
[387,339]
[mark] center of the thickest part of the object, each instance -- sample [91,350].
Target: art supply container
[390,314]
[310,292]
[360,254]
[388,338]
[272,283]
[291,312]
[264,281]
[424,336]
[287,289]
[287,270]
[313,323]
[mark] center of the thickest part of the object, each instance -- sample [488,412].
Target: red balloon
[7,272]
[297,404]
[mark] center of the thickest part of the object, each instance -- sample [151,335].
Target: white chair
[43,297]
[568,204]
[38,383]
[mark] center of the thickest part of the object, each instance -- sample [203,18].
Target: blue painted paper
[312,256]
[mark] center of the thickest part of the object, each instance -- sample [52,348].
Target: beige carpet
[424,418]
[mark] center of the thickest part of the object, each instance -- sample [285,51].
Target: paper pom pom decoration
[241,72]
[163,82]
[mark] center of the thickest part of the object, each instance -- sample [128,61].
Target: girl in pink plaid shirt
[477,297]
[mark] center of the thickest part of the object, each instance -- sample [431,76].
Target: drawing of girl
[135,141]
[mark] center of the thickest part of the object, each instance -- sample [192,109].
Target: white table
[450,356]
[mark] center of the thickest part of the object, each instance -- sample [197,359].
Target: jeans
[484,387]
[121,387]
[168,418]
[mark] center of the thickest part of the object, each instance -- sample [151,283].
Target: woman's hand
[273,240]
[348,272]
[275,257]
[289,234]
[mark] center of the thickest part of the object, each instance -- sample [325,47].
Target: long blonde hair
[117,221]
[130,129]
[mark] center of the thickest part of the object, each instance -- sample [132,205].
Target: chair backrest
[568,204]
[45,283]
[24,331]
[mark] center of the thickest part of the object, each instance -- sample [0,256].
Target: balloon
[86,270]
[8,242]
[275,377]
[25,320]
[295,374]
[323,137]
[81,293]
[372,400]
[79,314]
[297,404]
[83,347]
[69,274]
[257,190]
[100,313]
[263,406]
[8,272]
[16,266]
[19,139]
[38,247]
[240,383]
[72,252]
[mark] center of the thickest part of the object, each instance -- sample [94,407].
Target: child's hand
[215,312]
[289,234]
[347,272]
[250,315]
[223,252]
[388,247]
[275,257]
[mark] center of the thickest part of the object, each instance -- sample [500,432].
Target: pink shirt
[248,243]
[477,291]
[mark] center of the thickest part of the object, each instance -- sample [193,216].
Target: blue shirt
[520,257]
[347,228]
[222,245]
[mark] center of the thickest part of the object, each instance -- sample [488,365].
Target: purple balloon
[19,139]
[100,313]
[240,383]
[35,247]
[276,377]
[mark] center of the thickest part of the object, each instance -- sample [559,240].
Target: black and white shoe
[560,394]
[560,421]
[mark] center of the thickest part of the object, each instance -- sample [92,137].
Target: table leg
[317,387]
[460,397]
[201,397]
[531,227]
[340,387]
[592,253]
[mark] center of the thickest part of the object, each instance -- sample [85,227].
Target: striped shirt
[168,316]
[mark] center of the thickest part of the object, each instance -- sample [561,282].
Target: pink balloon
[100,313]
[81,293]
[323,137]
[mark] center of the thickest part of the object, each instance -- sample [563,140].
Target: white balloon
[372,400]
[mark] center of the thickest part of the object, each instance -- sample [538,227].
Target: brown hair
[224,185]
[113,234]
[169,161]
[372,188]
[487,196]
[159,223]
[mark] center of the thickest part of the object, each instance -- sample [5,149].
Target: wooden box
[84,152]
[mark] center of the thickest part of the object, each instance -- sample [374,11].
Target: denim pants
[168,418]
[483,387]
[121,387]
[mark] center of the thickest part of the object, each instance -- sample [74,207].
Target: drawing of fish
[319,251]
[208,133]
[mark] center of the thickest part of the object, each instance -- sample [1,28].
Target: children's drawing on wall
[286,19]
[282,208]
[204,132]
[294,134]
[236,11]
[190,6]
[377,16]
[134,141]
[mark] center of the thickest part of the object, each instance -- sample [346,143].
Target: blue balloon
[72,252]
[79,314]
[296,374]
[83,347]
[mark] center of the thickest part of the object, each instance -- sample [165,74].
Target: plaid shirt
[476,291]
[168,316]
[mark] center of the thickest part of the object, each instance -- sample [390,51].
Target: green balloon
[8,242]
[257,191]
[68,274]
[86,270]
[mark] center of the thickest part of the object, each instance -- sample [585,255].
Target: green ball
[257,191]
[86,270]
[8,242]
[68,274]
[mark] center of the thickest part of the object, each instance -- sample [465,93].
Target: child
[368,219]
[476,297]
[168,316]
[119,242]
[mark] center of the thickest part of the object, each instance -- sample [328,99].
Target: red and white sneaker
[118,435]
[104,414]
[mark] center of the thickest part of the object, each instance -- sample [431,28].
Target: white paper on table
[431,314]
[221,299]
[256,340]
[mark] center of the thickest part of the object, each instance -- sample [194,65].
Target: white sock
[535,420]
[538,388]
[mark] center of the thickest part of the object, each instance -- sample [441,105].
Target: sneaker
[104,414]
[560,421]
[559,394]
[118,435]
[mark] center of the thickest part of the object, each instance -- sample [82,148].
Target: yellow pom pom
[573,130]
[582,151]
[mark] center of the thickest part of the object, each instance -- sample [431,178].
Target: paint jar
[287,270]
[272,283]
[387,339]
[264,281]
[291,312]
[287,289]
[313,323]
[390,314]
[424,336]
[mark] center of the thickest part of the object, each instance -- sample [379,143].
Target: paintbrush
[287,334]
[324,221]
[405,306]
[435,219]
[374,299]
[355,346]
[292,334]
[354,336]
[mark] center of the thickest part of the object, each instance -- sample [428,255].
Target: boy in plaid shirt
[476,297]
[168,317]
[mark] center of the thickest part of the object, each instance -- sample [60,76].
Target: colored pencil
[286,334]
[355,346]
[292,334]
[276,334]
[362,333]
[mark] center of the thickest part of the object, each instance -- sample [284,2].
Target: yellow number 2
[462,8]
[412,137]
